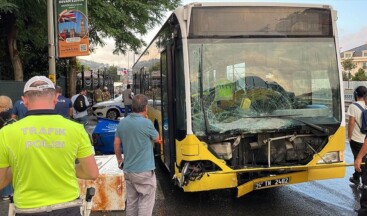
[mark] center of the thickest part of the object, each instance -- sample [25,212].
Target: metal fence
[14,89]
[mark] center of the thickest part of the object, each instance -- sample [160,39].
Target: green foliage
[155,67]
[112,72]
[125,21]
[7,7]
[348,64]
[345,76]
[30,21]
[360,75]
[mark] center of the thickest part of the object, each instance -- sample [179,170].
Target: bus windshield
[261,84]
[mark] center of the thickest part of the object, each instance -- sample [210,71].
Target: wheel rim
[111,114]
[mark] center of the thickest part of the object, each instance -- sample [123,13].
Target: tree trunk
[72,77]
[14,53]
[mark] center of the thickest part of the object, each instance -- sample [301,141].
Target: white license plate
[272,182]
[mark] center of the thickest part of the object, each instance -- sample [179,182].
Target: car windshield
[253,85]
[118,98]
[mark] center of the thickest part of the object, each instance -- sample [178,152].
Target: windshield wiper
[314,126]
[206,123]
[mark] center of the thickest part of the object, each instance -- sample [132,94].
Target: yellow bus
[246,95]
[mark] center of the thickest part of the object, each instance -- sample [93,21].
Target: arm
[157,139]
[87,168]
[6,177]
[70,112]
[86,101]
[117,148]
[360,156]
[351,124]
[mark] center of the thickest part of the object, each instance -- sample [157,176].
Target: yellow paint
[227,178]
[52,77]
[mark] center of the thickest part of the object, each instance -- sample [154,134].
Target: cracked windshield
[254,85]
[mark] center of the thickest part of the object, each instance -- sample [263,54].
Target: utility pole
[51,41]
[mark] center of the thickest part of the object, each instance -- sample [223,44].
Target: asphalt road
[334,197]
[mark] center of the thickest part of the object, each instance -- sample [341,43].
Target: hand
[121,165]
[357,164]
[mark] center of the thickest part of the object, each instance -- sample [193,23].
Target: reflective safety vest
[98,95]
[223,90]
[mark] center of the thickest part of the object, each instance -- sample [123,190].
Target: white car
[111,109]
[114,108]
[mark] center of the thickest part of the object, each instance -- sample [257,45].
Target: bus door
[167,103]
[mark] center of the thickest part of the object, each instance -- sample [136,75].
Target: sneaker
[6,197]
[354,181]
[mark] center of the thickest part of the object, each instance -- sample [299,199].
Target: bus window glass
[235,80]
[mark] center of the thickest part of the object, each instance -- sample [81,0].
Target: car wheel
[112,114]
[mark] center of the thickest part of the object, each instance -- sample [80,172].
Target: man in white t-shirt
[355,137]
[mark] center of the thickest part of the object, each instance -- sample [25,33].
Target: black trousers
[355,147]
[72,211]
[363,201]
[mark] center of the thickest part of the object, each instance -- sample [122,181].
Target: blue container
[103,136]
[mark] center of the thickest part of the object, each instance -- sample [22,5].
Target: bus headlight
[330,157]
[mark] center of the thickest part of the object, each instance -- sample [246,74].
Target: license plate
[270,183]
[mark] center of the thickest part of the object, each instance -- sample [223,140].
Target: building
[359,57]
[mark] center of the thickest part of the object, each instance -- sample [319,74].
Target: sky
[351,23]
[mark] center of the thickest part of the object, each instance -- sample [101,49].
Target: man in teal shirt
[136,134]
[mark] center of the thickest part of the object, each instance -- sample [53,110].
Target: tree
[24,32]
[125,21]
[348,65]
[345,76]
[360,75]
[24,26]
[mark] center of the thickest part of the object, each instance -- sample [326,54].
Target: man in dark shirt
[64,106]
[19,110]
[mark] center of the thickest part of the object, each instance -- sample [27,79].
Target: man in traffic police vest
[38,153]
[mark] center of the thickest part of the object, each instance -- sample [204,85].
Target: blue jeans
[8,190]
[82,120]
[127,108]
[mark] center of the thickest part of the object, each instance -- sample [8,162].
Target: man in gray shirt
[127,99]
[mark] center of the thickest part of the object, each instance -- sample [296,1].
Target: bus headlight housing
[331,157]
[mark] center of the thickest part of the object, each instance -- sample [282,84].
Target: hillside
[93,65]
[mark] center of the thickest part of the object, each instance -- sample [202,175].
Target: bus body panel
[223,179]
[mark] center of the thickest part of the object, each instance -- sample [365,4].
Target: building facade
[359,57]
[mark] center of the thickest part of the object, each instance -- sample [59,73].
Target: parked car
[114,108]
[111,109]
